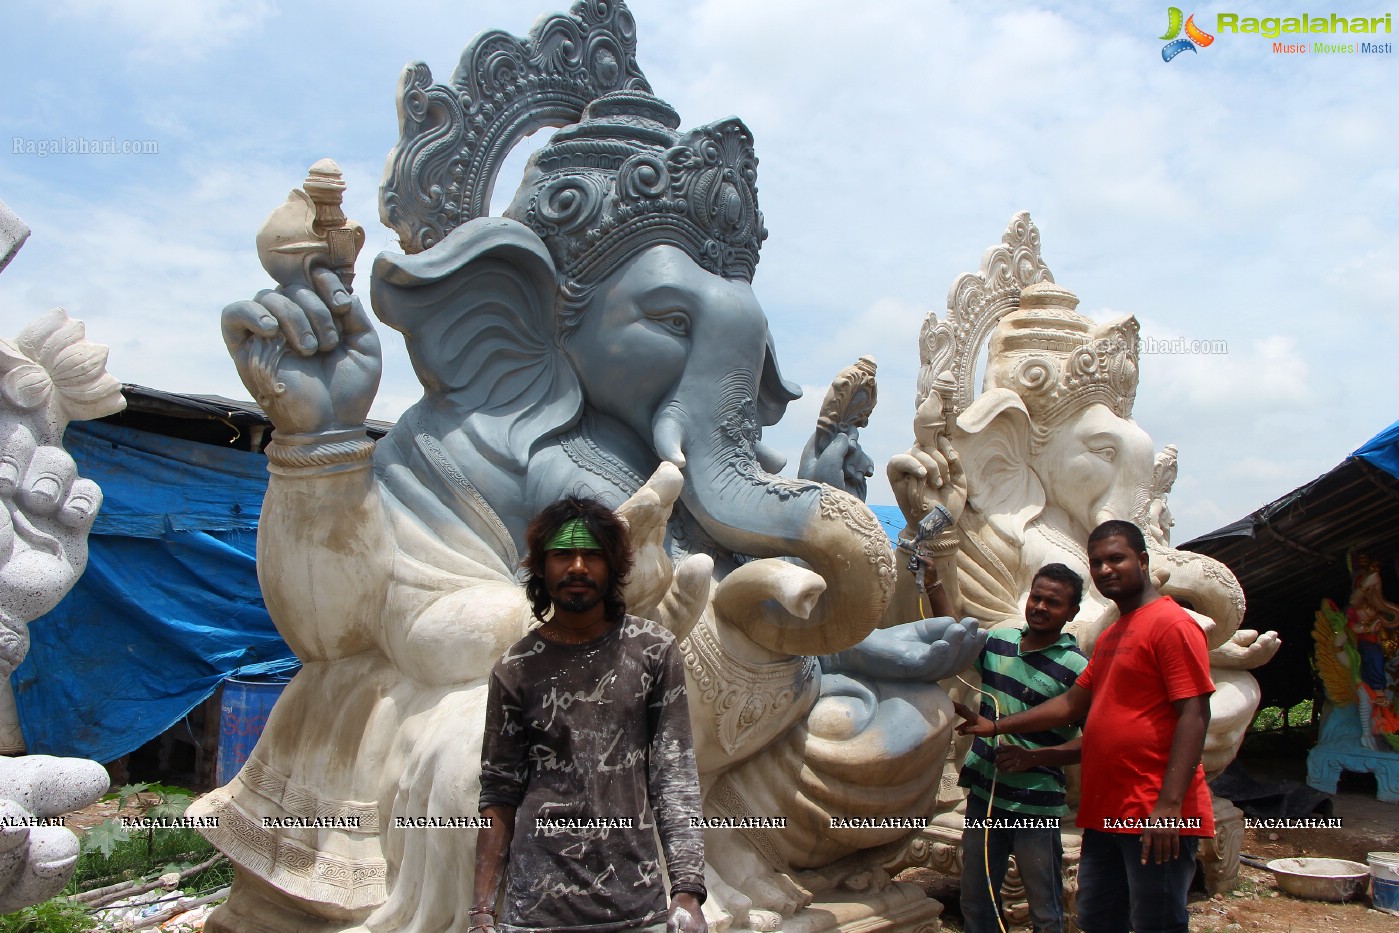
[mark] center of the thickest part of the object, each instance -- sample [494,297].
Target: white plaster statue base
[254,906]
[1219,857]
[899,907]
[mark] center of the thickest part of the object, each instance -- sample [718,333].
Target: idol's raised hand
[306,350]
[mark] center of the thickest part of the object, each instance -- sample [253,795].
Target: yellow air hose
[990,803]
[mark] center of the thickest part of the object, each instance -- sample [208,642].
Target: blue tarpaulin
[1382,450]
[169,605]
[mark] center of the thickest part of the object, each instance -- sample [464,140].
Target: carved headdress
[1054,358]
[1058,361]
[619,179]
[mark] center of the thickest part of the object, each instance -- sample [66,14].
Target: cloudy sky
[1230,195]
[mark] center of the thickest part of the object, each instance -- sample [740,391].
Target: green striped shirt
[1019,681]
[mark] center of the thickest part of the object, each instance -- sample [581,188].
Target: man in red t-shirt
[1143,804]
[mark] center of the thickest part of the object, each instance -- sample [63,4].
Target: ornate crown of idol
[1054,358]
[1059,361]
[617,180]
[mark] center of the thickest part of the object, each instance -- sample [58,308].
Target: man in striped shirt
[1016,792]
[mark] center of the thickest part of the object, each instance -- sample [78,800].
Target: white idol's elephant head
[1053,452]
[1080,472]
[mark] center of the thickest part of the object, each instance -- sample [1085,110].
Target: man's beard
[576,602]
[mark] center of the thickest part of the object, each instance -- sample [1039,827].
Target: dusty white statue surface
[1052,451]
[49,375]
[603,335]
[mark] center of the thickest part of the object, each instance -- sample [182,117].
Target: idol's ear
[993,438]
[477,314]
[774,392]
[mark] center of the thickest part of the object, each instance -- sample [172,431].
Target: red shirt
[1144,662]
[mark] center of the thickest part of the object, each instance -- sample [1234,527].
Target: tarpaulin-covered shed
[1291,554]
[169,605]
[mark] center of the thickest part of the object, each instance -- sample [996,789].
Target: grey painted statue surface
[602,336]
[49,375]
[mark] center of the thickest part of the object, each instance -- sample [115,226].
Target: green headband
[573,535]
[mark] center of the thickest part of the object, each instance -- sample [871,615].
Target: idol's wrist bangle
[323,452]
[944,543]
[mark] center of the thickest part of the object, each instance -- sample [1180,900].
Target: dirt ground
[1256,905]
[80,821]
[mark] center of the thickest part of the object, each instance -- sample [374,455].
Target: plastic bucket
[1384,881]
[1385,895]
[1384,865]
[244,708]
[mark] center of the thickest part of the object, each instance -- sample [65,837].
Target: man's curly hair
[612,538]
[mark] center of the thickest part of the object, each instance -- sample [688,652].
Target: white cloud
[167,28]
[1266,374]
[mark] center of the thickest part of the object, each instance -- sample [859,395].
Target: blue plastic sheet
[1382,450]
[169,605]
[152,484]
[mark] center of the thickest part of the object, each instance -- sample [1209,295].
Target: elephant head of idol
[607,321]
[1054,436]
[1049,442]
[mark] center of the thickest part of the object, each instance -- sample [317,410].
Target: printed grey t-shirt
[578,739]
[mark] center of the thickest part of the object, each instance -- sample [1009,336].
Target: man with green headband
[587,756]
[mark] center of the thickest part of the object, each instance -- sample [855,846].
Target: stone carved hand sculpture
[43,530]
[307,350]
[49,375]
[930,472]
[925,650]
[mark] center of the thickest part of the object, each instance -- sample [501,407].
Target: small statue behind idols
[1358,653]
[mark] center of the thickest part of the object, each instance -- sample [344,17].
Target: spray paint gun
[934,523]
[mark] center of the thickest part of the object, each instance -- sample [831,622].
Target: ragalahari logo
[1194,35]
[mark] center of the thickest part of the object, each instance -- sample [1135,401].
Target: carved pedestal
[1219,856]
[1340,748]
[899,908]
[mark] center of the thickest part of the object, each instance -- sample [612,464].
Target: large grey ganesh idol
[602,336]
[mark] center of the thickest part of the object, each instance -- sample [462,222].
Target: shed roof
[1290,554]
